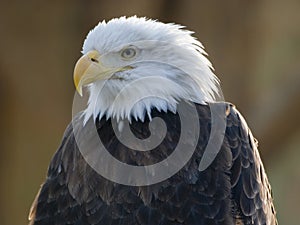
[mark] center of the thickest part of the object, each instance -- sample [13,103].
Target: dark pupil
[128,52]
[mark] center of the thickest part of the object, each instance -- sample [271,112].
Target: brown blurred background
[254,46]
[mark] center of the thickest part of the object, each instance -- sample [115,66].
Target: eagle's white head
[132,65]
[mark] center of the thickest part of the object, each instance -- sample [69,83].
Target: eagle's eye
[128,53]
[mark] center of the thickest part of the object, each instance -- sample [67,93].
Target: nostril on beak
[94,60]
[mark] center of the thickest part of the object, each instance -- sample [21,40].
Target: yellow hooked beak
[89,68]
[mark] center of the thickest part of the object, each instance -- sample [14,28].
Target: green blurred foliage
[254,46]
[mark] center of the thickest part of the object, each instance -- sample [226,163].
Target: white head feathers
[168,65]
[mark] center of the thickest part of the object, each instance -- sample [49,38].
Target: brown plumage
[234,189]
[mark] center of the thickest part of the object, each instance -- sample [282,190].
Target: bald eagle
[155,143]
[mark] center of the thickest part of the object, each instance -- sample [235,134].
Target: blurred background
[254,46]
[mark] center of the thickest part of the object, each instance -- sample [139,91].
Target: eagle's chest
[187,197]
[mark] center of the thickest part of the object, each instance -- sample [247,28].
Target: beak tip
[78,88]
[79,91]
